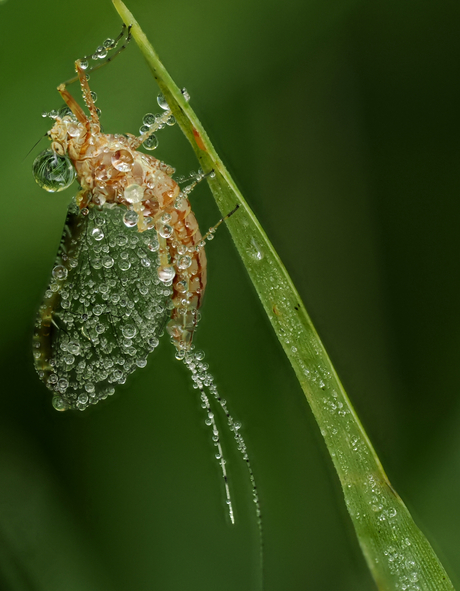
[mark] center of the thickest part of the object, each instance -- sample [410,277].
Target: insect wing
[104,310]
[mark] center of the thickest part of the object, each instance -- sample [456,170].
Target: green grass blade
[398,554]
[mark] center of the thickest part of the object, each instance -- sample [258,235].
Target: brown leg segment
[72,104]
[86,92]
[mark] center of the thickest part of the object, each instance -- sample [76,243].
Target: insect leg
[159,123]
[210,233]
[102,51]
[72,104]
[87,97]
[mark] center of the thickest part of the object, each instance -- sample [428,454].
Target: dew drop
[151,142]
[60,272]
[166,274]
[184,262]
[165,230]
[53,172]
[162,102]
[59,403]
[129,331]
[130,218]
[97,234]
[122,160]
[107,261]
[124,265]
[148,119]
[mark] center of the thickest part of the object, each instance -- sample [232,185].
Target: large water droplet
[122,160]
[162,102]
[166,274]
[59,403]
[97,234]
[151,142]
[149,119]
[53,172]
[134,193]
[130,218]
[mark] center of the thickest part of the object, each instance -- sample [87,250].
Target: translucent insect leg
[159,123]
[102,51]
[210,233]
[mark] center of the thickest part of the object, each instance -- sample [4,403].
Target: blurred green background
[339,121]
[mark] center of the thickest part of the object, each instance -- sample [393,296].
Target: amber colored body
[110,170]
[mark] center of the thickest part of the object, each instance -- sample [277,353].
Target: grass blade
[398,554]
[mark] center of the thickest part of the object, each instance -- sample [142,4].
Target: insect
[131,260]
[130,265]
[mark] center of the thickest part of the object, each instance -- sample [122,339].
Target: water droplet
[256,251]
[93,96]
[84,65]
[171,120]
[83,398]
[149,119]
[151,142]
[144,129]
[184,262]
[153,342]
[60,272]
[59,403]
[129,331]
[97,234]
[185,94]
[162,102]
[130,218]
[166,274]
[53,172]
[102,52]
[165,230]
[107,261]
[73,347]
[122,160]
[124,265]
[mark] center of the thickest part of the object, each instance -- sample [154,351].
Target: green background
[339,121]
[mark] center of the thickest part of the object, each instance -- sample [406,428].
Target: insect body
[131,259]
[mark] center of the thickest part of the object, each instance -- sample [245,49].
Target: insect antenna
[203,378]
[35,145]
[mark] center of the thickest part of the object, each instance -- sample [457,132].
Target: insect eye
[53,172]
